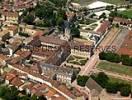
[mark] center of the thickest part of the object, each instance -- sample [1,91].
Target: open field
[117,68]
[115,80]
[116,2]
[127,13]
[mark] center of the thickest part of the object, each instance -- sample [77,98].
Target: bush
[81,80]
[23,34]
[113,57]
[101,79]
[126,60]
[125,90]
[102,56]
[109,56]
[111,86]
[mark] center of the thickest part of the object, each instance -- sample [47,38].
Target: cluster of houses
[18,5]
[37,58]
[23,82]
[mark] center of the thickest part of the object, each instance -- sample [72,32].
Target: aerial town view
[65,49]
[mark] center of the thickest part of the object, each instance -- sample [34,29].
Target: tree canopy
[81,80]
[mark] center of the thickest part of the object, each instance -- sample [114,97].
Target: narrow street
[107,41]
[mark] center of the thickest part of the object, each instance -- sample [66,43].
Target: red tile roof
[17,82]
[122,20]
[103,27]
[10,14]
[10,77]
[52,40]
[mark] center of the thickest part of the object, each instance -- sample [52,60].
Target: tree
[112,87]
[125,90]
[81,80]
[93,15]
[109,56]
[113,13]
[42,98]
[102,56]
[44,11]
[29,19]
[60,21]
[126,60]
[109,7]
[102,79]
[75,32]
[103,15]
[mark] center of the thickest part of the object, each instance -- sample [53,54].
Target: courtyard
[77,60]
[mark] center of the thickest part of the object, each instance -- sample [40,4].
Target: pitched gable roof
[94,87]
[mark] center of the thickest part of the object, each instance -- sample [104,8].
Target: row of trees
[112,86]
[12,93]
[113,57]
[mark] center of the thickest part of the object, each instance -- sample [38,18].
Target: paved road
[89,66]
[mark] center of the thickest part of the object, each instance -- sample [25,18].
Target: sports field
[117,68]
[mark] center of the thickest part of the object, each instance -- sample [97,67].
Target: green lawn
[113,67]
[115,80]
[127,13]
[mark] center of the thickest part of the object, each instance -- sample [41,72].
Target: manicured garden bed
[77,60]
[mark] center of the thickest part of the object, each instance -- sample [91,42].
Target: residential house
[82,48]
[102,28]
[3,59]
[9,77]
[13,30]
[51,42]
[49,49]
[14,45]
[64,75]
[17,82]
[96,91]
[122,21]
[30,30]
[4,35]
[10,17]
